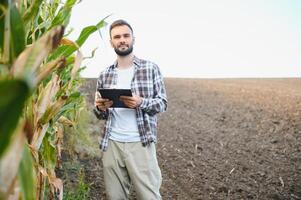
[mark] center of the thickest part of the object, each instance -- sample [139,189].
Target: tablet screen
[114,94]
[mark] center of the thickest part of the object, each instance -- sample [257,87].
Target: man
[130,134]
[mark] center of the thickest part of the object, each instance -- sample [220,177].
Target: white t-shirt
[124,120]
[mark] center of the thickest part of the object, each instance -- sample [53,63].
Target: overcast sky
[200,38]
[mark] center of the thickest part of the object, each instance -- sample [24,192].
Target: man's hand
[131,102]
[102,104]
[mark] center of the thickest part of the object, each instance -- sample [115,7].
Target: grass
[80,191]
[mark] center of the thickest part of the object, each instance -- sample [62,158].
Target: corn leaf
[65,121]
[10,160]
[52,111]
[2,25]
[6,35]
[67,50]
[59,135]
[54,4]
[17,32]
[26,175]
[32,12]
[47,94]
[76,66]
[48,152]
[13,96]
[62,18]
[32,57]
[31,118]
[39,135]
[49,67]
[92,54]
[64,14]
[66,41]
[56,183]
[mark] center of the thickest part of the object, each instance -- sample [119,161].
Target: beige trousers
[130,163]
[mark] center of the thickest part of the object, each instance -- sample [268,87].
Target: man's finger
[102,100]
[125,98]
[97,94]
[107,104]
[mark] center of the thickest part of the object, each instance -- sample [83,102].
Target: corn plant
[39,80]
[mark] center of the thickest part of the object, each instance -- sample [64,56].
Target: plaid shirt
[148,84]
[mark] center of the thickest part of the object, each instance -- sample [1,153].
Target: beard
[124,52]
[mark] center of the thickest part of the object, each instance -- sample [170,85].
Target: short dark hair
[120,22]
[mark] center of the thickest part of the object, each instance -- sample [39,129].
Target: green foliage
[2,27]
[17,32]
[48,151]
[81,191]
[32,11]
[38,97]
[67,50]
[27,175]
[12,33]
[11,107]
[63,16]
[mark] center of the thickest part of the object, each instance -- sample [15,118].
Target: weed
[80,192]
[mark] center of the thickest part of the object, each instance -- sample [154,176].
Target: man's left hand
[131,102]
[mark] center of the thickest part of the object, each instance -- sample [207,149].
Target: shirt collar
[136,61]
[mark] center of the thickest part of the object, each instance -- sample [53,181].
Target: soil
[222,139]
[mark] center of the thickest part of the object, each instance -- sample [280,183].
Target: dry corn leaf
[10,161]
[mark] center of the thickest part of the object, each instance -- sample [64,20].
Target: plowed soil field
[222,139]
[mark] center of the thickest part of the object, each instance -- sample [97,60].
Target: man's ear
[111,43]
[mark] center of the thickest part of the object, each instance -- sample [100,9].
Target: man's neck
[125,61]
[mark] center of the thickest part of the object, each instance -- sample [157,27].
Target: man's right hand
[102,104]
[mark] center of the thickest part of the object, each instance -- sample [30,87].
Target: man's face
[122,40]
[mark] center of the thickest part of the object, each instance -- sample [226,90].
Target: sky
[199,38]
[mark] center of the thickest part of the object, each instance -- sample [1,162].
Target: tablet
[114,94]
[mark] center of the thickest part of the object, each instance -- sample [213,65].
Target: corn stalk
[39,80]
